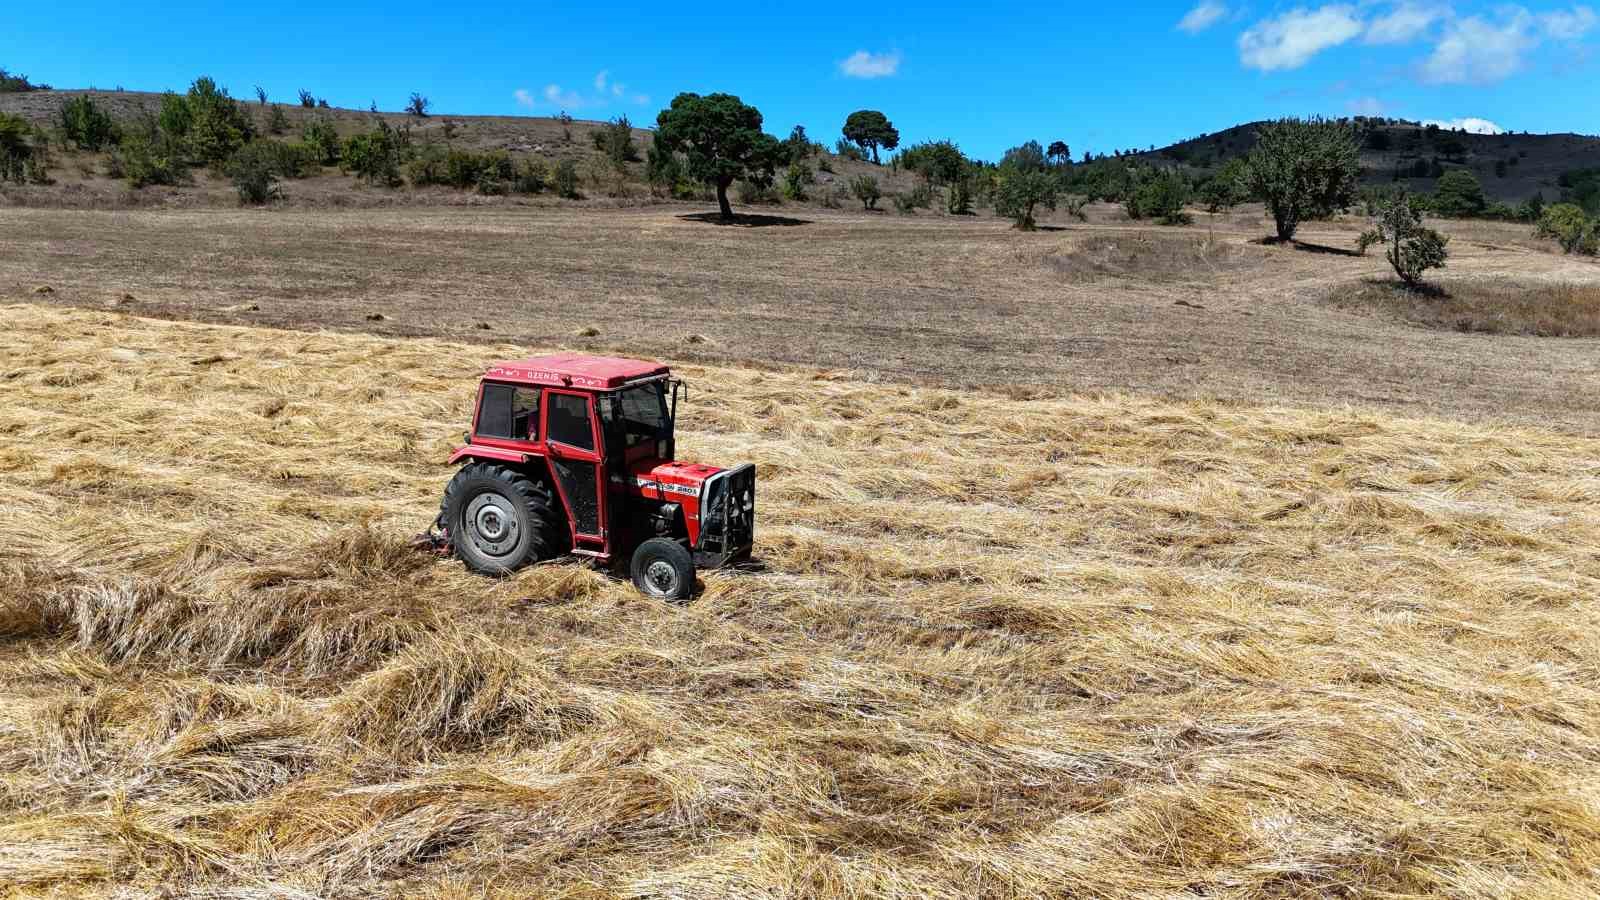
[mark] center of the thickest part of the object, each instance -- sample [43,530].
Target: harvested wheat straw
[1111,647]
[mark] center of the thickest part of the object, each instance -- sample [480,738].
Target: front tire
[662,568]
[499,519]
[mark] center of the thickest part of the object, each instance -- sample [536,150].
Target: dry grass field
[1092,645]
[1103,307]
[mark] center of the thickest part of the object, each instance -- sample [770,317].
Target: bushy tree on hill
[615,140]
[85,125]
[22,151]
[417,106]
[1059,153]
[1410,247]
[721,141]
[870,130]
[1304,169]
[210,125]
[939,162]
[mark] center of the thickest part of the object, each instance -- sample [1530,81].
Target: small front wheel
[663,569]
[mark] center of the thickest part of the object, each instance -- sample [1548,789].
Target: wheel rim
[662,577]
[491,525]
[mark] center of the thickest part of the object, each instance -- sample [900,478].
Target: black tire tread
[541,505]
[676,553]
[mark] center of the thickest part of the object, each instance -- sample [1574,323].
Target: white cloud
[523,97]
[862,64]
[641,99]
[1365,106]
[1568,25]
[1472,125]
[1404,23]
[1205,14]
[555,96]
[600,81]
[1290,40]
[618,89]
[1475,51]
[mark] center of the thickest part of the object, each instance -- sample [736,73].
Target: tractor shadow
[744,220]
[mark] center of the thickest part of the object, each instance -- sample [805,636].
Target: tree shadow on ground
[743,220]
[1308,248]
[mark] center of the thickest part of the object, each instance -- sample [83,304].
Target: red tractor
[574,454]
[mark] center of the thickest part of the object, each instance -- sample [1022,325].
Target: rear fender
[477,451]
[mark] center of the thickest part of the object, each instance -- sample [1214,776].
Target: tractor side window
[569,421]
[509,412]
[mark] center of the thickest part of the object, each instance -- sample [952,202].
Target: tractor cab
[572,453]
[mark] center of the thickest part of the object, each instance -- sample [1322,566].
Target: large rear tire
[662,568]
[499,519]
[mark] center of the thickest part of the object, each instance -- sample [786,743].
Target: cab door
[572,441]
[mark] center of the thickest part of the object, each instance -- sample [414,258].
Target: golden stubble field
[1084,646]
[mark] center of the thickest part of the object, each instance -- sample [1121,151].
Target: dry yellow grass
[1084,647]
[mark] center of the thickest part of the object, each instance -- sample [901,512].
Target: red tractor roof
[599,373]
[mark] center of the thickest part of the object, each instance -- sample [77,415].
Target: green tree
[1021,191]
[86,125]
[277,122]
[958,202]
[1569,227]
[1059,153]
[567,179]
[211,124]
[417,106]
[1458,195]
[306,100]
[1304,169]
[1160,195]
[865,188]
[1411,247]
[320,133]
[721,141]
[1027,157]
[1225,189]
[870,130]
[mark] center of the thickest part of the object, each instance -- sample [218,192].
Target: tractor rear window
[569,421]
[509,412]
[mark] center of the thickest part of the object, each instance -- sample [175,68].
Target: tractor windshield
[638,415]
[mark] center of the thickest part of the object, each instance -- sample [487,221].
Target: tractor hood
[670,480]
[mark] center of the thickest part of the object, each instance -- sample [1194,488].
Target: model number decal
[669,488]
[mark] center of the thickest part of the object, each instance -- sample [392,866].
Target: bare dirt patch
[1156,255]
[1498,306]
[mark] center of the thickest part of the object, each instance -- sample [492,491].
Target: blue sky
[986,76]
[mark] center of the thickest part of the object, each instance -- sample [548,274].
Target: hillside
[82,178]
[1532,162]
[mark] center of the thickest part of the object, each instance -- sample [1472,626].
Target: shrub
[865,188]
[848,150]
[149,156]
[566,126]
[1073,206]
[16,149]
[615,140]
[277,122]
[1458,194]
[1567,225]
[940,162]
[86,125]
[320,133]
[959,200]
[416,106]
[1304,169]
[567,179]
[306,100]
[1411,247]
[261,95]
[904,204]
[824,166]
[662,169]
[254,172]
[796,179]
[532,176]
[490,185]
[798,147]
[752,192]
[374,157]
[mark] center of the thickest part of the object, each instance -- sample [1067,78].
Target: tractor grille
[728,514]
